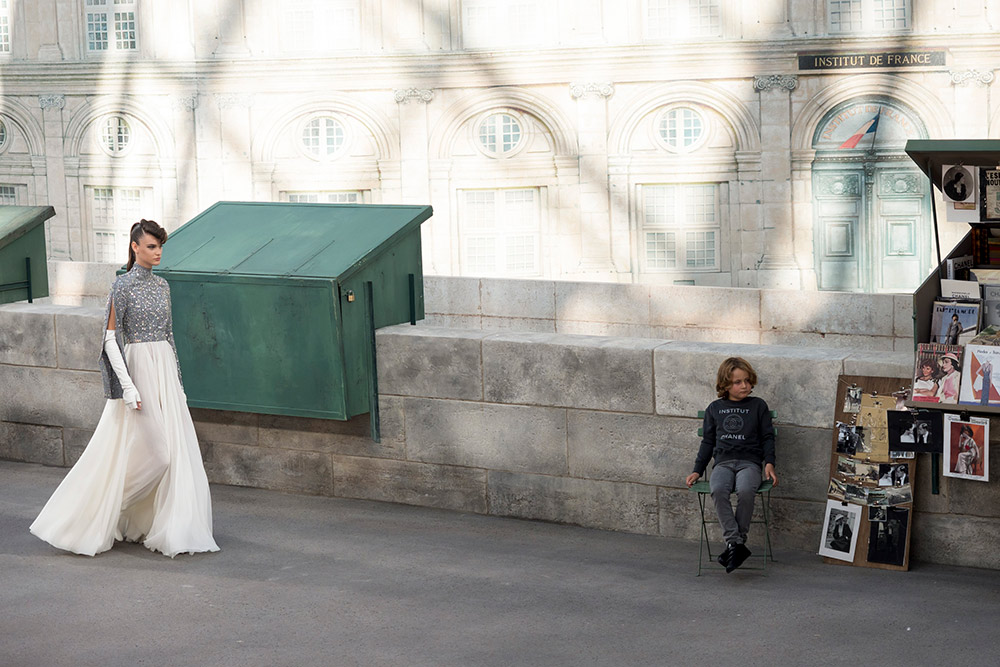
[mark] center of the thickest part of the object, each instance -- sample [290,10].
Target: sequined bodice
[146,317]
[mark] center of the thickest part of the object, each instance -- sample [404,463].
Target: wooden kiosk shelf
[930,155]
[955,407]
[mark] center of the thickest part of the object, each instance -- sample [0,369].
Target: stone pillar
[597,238]
[972,103]
[234,146]
[185,141]
[42,19]
[64,242]
[443,231]
[414,160]
[778,268]
[232,30]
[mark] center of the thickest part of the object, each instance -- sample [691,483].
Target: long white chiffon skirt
[141,477]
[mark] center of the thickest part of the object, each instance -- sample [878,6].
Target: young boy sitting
[738,433]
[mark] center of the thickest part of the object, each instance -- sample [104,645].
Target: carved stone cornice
[578,90]
[963,77]
[768,81]
[52,101]
[186,102]
[404,95]
[234,100]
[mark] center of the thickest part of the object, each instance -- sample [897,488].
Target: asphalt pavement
[305,580]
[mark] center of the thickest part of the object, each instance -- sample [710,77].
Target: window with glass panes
[499,134]
[846,16]
[113,211]
[503,22]
[8,195]
[683,18]
[323,137]
[681,128]
[111,25]
[500,232]
[115,134]
[320,25]
[4,26]
[327,197]
[3,134]
[680,227]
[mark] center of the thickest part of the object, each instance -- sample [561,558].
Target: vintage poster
[989,184]
[960,192]
[872,418]
[967,447]
[840,530]
[980,382]
[954,323]
[937,373]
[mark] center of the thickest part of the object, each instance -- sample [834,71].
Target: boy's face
[740,386]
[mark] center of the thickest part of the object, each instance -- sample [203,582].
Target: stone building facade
[659,141]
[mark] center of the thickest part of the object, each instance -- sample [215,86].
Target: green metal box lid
[287,239]
[16,221]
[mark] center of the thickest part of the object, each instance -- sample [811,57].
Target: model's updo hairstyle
[138,229]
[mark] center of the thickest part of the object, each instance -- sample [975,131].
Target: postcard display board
[869,512]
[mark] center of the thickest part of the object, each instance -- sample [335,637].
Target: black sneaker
[740,554]
[726,555]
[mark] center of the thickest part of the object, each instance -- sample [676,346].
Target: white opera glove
[129,393]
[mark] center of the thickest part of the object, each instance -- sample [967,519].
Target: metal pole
[27,272]
[413,300]
[937,234]
[373,414]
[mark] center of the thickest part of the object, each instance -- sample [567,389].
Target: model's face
[147,251]
[926,370]
[740,386]
[947,365]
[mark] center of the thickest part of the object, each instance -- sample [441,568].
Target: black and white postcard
[898,495]
[840,530]
[893,474]
[887,539]
[914,431]
[849,438]
[876,513]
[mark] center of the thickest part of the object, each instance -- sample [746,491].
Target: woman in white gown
[141,477]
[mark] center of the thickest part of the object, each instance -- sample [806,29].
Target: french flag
[868,128]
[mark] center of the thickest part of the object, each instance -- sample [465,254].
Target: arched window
[499,134]
[323,137]
[681,128]
[115,135]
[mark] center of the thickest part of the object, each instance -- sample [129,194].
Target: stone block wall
[836,320]
[593,431]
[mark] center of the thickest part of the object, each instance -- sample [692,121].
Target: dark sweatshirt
[736,430]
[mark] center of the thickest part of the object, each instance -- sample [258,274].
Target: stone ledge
[561,370]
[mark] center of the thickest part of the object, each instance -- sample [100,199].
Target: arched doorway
[872,226]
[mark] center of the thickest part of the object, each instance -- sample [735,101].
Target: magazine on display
[959,289]
[989,199]
[937,373]
[954,323]
[980,375]
[967,447]
[991,305]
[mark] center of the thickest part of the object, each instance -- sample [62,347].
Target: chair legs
[705,544]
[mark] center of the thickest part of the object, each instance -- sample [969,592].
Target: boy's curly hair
[722,380]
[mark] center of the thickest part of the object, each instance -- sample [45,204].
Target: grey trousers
[743,477]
